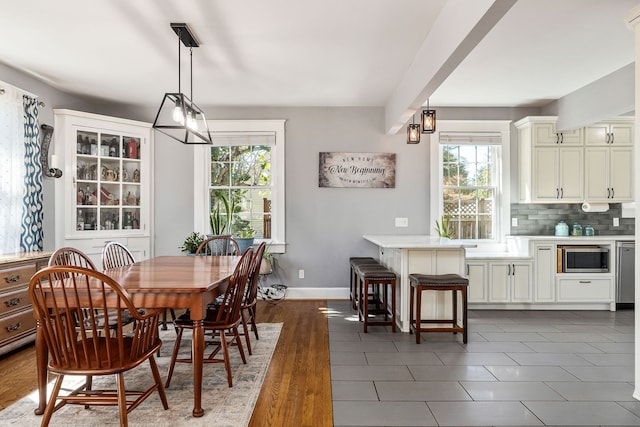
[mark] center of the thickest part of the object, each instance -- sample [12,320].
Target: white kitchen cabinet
[544,132]
[609,173]
[557,174]
[105,191]
[550,163]
[586,288]
[611,133]
[545,263]
[510,282]
[477,274]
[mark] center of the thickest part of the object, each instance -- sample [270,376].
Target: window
[241,180]
[473,179]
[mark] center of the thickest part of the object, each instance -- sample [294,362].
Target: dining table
[179,282]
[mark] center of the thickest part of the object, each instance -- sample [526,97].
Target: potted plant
[443,227]
[192,242]
[244,235]
[220,221]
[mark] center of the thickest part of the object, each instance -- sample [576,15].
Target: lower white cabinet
[510,281]
[545,261]
[477,274]
[585,289]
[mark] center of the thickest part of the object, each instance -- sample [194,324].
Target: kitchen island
[408,254]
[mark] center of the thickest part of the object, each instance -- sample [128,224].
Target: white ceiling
[309,52]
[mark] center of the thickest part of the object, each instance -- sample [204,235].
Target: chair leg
[252,310]
[239,344]
[158,379]
[246,330]
[51,405]
[225,354]
[122,399]
[174,356]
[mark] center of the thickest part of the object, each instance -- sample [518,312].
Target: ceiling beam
[460,26]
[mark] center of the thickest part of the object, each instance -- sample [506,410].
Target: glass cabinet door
[108,184]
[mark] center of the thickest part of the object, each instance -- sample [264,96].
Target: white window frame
[503,200]
[202,174]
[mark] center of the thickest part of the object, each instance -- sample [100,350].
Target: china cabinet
[105,191]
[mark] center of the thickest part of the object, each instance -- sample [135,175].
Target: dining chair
[222,323]
[68,256]
[249,300]
[115,254]
[218,246]
[91,347]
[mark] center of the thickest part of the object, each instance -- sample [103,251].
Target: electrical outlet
[616,222]
[514,222]
[402,222]
[300,274]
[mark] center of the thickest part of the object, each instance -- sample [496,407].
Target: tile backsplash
[541,219]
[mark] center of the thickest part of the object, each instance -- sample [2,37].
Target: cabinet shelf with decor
[105,192]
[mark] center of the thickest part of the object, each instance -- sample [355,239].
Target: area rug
[223,406]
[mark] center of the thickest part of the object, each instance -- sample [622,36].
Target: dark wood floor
[296,390]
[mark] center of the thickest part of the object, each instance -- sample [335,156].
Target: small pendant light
[413,131]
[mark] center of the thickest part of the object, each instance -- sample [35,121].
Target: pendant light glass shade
[179,117]
[413,132]
[428,120]
[182,120]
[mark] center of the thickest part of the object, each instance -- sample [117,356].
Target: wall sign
[363,170]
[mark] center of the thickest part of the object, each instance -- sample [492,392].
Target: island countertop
[416,242]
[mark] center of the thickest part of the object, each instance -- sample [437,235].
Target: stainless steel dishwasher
[625,274]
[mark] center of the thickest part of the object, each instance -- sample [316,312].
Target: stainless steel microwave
[585,259]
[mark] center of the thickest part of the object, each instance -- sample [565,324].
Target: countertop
[517,247]
[416,242]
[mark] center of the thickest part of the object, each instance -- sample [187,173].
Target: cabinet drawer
[17,276]
[14,301]
[586,289]
[16,325]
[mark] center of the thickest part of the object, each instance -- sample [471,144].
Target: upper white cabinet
[105,191]
[617,132]
[592,164]
[609,161]
[551,163]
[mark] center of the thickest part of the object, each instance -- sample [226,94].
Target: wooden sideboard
[17,323]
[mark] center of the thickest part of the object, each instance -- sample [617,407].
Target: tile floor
[519,368]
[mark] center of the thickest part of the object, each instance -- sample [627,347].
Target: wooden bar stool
[382,281]
[441,282]
[354,263]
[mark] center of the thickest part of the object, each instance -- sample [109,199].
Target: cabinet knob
[13,302]
[14,327]
[12,279]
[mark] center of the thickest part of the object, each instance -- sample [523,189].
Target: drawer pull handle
[12,279]
[13,302]
[14,327]
[585,281]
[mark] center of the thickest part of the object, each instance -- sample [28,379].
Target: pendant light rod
[179,78]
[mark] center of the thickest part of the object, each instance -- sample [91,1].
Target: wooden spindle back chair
[62,294]
[219,246]
[219,322]
[115,254]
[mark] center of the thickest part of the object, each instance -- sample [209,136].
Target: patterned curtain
[31,235]
[12,168]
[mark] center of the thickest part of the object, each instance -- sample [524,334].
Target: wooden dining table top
[175,274]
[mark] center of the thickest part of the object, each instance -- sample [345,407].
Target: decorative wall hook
[47,132]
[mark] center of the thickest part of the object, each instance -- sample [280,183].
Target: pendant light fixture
[413,131]
[428,120]
[179,117]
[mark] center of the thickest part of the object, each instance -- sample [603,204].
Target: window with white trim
[241,180]
[473,180]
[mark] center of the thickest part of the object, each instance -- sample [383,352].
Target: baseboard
[317,293]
